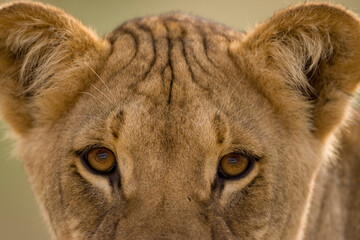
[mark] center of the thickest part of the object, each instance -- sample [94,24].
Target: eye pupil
[233,160]
[103,156]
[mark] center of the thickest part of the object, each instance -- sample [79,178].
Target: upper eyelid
[251,154]
[80,152]
[242,151]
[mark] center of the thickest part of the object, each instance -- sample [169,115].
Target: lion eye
[235,165]
[100,160]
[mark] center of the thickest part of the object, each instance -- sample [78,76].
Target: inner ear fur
[44,57]
[306,61]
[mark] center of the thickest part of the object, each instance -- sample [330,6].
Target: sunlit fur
[170,95]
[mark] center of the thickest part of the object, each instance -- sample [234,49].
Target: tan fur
[170,95]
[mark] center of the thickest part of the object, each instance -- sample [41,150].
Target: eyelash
[80,152]
[245,153]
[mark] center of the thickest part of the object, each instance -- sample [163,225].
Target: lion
[174,127]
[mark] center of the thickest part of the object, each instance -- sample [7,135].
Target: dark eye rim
[87,165]
[248,169]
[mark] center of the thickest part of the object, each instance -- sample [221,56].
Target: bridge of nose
[169,181]
[168,150]
[165,211]
[163,175]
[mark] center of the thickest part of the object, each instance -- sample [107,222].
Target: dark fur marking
[205,45]
[192,74]
[115,134]
[198,62]
[217,185]
[163,74]
[114,179]
[220,128]
[167,62]
[114,229]
[170,64]
[120,116]
[185,54]
[117,121]
[136,43]
[148,30]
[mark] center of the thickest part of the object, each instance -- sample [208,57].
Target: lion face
[173,127]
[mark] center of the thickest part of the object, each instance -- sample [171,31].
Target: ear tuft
[42,51]
[306,58]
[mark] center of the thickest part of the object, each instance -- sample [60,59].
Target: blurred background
[20,218]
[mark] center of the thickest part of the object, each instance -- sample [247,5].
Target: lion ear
[44,57]
[306,58]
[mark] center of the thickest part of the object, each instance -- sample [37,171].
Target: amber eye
[235,165]
[100,160]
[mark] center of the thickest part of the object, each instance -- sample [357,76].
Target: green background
[20,218]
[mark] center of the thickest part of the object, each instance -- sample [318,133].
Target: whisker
[106,107]
[237,113]
[98,77]
[102,93]
[240,80]
[228,86]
